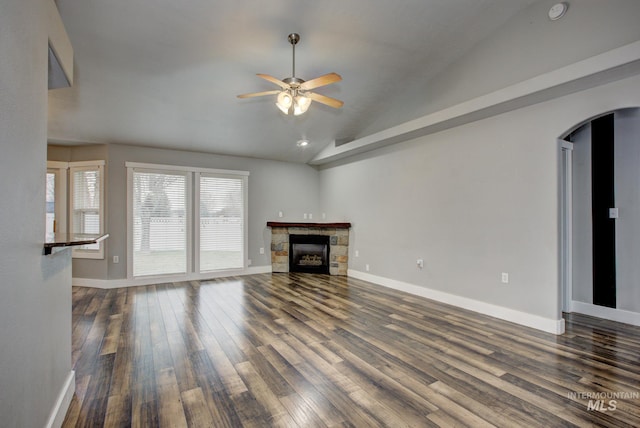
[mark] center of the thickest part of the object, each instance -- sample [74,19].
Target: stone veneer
[338,234]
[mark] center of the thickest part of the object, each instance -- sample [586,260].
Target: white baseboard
[613,314]
[135,282]
[545,324]
[61,406]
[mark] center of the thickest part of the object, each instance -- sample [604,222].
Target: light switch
[613,212]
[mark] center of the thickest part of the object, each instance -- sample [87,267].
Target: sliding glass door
[185,221]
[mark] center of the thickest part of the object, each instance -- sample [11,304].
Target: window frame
[59,169]
[130,218]
[79,252]
[197,215]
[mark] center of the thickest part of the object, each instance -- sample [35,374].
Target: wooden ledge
[309,225]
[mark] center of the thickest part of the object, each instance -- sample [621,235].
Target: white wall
[273,186]
[35,290]
[473,201]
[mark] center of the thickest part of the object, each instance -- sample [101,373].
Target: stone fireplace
[310,247]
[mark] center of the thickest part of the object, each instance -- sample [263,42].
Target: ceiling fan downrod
[294,38]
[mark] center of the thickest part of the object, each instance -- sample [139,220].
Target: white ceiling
[166,73]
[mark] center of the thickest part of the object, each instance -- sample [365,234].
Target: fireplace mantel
[315,225]
[338,234]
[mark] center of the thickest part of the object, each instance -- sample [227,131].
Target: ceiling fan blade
[327,79]
[331,102]
[259,94]
[273,80]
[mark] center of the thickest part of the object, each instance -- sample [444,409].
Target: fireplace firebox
[309,253]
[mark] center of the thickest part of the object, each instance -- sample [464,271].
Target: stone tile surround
[338,234]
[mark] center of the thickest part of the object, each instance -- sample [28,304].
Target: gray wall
[582,226]
[273,186]
[627,194]
[473,201]
[35,291]
[482,199]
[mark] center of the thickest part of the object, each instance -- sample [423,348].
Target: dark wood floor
[313,350]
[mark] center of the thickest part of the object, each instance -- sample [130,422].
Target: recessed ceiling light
[557,11]
[302,143]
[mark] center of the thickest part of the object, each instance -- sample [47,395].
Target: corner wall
[35,290]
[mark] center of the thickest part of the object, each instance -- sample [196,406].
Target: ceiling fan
[295,96]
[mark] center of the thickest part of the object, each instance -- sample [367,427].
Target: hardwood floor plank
[118,411]
[196,411]
[319,404]
[301,412]
[278,415]
[170,410]
[300,350]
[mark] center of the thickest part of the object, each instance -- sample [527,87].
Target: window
[56,198]
[86,188]
[162,212]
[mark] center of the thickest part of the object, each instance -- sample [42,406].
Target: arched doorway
[600,216]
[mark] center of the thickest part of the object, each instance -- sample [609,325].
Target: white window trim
[160,167]
[193,215]
[79,253]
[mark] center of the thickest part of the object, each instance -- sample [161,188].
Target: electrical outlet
[420,263]
[310,216]
[280,214]
[366,267]
[261,250]
[357,253]
[116,259]
[305,216]
[505,278]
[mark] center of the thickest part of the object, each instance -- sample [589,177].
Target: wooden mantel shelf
[318,225]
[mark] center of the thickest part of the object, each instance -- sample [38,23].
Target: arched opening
[600,216]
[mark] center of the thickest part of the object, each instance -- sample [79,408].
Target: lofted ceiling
[165,73]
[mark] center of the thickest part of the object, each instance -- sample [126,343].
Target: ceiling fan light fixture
[300,105]
[284,101]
